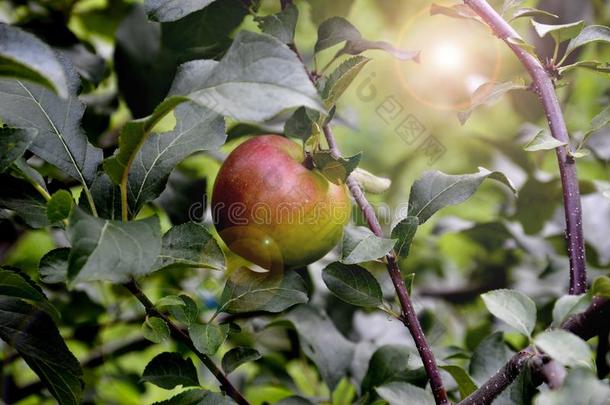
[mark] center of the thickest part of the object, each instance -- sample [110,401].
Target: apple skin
[272,210]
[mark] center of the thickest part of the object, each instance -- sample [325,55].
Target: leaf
[59,206]
[186,313]
[14,142]
[209,337]
[198,397]
[488,94]
[369,182]
[404,232]
[168,370]
[254,65]
[19,196]
[600,120]
[155,329]
[568,305]
[521,43]
[53,266]
[581,386]
[24,56]
[352,284]
[396,392]
[172,10]
[435,190]
[249,291]
[238,356]
[589,34]
[197,129]
[513,307]
[42,348]
[465,383]
[189,245]
[16,284]
[105,250]
[169,301]
[601,287]
[531,12]
[454,11]
[603,67]
[184,198]
[543,140]
[335,169]
[281,25]
[360,244]
[489,356]
[301,123]
[340,79]
[560,32]
[60,141]
[565,347]
[388,363]
[322,343]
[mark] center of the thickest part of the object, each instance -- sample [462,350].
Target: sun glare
[447,57]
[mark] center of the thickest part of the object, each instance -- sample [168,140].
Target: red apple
[269,208]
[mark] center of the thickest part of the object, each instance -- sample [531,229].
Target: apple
[272,210]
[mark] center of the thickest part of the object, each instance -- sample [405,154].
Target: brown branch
[545,89]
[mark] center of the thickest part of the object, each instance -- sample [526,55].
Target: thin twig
[178,334]
[543,86]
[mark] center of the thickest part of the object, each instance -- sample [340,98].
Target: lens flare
[447,58]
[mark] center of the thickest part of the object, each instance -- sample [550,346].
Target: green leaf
[335,169]
[580,386]
[341,78]
[560,32]
[168,370]
[436,190]
[360,244]
[600,120]
[454,11]
[249,291]
[409,279]
[186,313]
[488,94]
[404,232]
[238,356]
[565,347]
[184,198]
[281,25]
[189,245]
[598,66]
[568,305]
[536,203]
[601,287]
[53,266]
[465,383]
[589,34]
[322,343]
[352,284]
[60,140]
[531,12]
[19,196]
[388,363]
[489,356]
[170,301]
[209,337]
[111,250]
[513,307]
[197,397]
[59,206]
[155,329]
[170,10]
[42,348]
[301,123]
[543,140]
[396,392]
[16,284]
[255,65]
[521,43]
[24,56]
[13,143]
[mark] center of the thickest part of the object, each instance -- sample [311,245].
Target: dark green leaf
[559,32]
[461,377]
[54,266]
[295,400]
[23,56]
[238,356]
[197,397]
[189,245]
[388,363]
[396,392]
[155,329]
[187,313]
[352,284]
[17,284]
[111,250]
[13,143]
[543,140]
[301,123]
[592,33]
[340,79]
[209,337]
[59,206]
[513,307]
[489,356]
[168,370]
[170,10]
[404,232]
[19,196]
[536,203]
[322,343]
[336,170]
[601,287]
[184,198]
[435,190]
[360,244]
[42,348]
[280,25]
[248,291]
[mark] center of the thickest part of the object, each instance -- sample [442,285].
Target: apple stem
[308,161]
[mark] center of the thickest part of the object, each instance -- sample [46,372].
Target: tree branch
[544,88]
[178,334]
